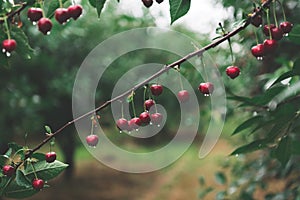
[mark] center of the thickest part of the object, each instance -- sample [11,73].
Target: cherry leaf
[178,8]
[98,4]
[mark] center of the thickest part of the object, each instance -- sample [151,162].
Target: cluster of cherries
[38,184]
[149,3]
[35,15]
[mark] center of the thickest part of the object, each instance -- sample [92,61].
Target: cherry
[75,11]
[156,118]
[266,29]
[44,25]
[145,118]
[257,21]
[206,88]
[156,89]
[258,51]
[62,15]
[233,71]
[286,27]
[50,157]
[159,1]
[37,184]
[34,14]
[9,45]
[122,124]
[8,170]
[270,46]
[92,140]
[276,33]
[183,96]
[147,3]
[134,123]
[149,103]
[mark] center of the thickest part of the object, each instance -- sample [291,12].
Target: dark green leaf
[44,170]
[14,147]
[48,129]
[204,192]
[18,192]
[178,8]
[38,156]
[283,151]
[283,77]
[220,178]
[98,4]
[295,147]
[23,47]
[296,67]
[294,35]
[21,179]
[253,146]
[3,160]
[247,124]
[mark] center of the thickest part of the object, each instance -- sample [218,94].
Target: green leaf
[54,4]
[44,170]
[3,160]
[14,147]
[178,8]
[98,4]
[18,192]
[38,156]
[283,77]
[294,35]
[283,152]
[246,124]
[48,129]
[253,146]
[23,47]
[22,180]
[220,178]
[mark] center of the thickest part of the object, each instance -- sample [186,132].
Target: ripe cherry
[62,15]
[286,27]
[9,45]
[38,184]
[50,157]
[270,46]
[145,118]
[206,88]
[34,14]
[156,118]
[8,170]
[266,29]
[44,25]
[233,71]
[156,89]
[92,140]
[258,51]
[276,33]
[257,21]
[134,123]
[147,3]
[75,11]
[183,96]
[122,124]
[149,103]
[159,1]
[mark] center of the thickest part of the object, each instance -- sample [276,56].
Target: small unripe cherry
[38,184]
[92,140]
[206,88]
[50,157]
[8,170]
[233,71]
[9,45]
[183,96]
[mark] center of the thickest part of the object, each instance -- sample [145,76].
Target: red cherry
[147,3]
[145,118]
[258,51]
[149,103]
[286,27]
[266,29]
[270,46]
[92,140]
[8,170]
[156,118]
[34,14]
[134,123]
[183,96]
[122,124]
[38,184]
[276,33]
[44,25]
[9,45]
[156,89]
[206,88]
[233,71]
[50,157]
[75,11]
[257,21]
[62,15]
[159,1]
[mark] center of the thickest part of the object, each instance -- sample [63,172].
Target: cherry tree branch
[166,68]
[13,13]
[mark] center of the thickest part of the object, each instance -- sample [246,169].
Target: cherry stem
[269,23]
[203,65]
[60,4]
[274,13]
[122,109]
[92,127]
[180,80]
[256,36]
[132,104]
[165,69]
[34,172]
[145,91]
[7,28]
